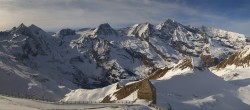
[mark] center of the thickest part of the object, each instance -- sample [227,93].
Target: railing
[51,101]
[26,96]
[158,108]
[56,102]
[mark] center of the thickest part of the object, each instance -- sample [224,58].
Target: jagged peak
[21,29]
[142,25]
[147,27]
[31,30]
[22,26]
[15,28]
[106,30]
[104,26]
[169,21]
[142,30]
[168,24]
[35,28]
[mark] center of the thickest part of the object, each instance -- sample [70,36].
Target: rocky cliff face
[238,59]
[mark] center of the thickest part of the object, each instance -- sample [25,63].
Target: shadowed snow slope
[194,89]
[198,90]
[235,70]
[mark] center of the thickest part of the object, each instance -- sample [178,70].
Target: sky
[232,15]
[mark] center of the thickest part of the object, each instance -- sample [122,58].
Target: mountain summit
[105,30]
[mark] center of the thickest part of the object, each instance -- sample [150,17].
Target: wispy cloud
[55,14]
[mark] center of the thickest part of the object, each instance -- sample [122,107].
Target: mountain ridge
[93,58]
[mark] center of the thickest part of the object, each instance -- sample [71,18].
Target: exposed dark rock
[105,30]
[66,32]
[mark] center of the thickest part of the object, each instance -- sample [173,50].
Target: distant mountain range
[42,64]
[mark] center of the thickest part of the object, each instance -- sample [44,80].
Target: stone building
[147,91]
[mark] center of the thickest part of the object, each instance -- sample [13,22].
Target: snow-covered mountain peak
[34,27]
[27,31]
[21,30]
[168,24]
[143,30]
[22,26]
[105,30]
[171,22]
[37,30]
